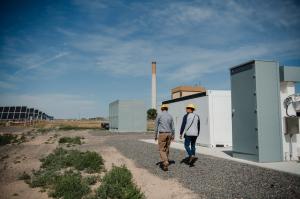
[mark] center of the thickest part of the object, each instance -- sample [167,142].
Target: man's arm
[183,124]
[156,125]
[172,127]
[198,125]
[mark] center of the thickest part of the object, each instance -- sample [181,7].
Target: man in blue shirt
[191,127]
[164,132]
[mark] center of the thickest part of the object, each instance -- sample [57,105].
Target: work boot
[192,159]
[165,168]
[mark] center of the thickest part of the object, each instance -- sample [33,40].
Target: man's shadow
[188,162]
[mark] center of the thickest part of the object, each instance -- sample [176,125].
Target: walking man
[191,127]
[164,132]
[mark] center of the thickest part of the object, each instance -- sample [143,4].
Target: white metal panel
[215,117]
[128,116]
[177,110]
[220,117]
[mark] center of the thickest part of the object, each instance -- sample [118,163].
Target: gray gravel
[211,177]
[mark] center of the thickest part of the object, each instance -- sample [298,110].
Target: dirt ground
[15,159]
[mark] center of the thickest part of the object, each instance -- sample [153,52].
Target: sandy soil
[16,159]
[25,157]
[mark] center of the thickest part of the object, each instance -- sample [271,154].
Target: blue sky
[72,58]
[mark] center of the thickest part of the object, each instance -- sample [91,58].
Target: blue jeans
[190,140]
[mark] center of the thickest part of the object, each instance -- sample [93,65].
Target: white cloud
[58,105]
[34,60]
[7,85]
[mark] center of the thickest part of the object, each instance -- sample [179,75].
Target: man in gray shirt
[164,132]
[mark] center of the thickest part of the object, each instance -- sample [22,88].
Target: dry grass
[69,123]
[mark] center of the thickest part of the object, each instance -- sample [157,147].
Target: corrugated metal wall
[215,117]
[128,116]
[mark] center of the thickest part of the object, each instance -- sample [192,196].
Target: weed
[62,158]
[88,160]
[59,173]
[43,178]
[7,139]
[91,180]
[70,186]
[70,140]
[118,183]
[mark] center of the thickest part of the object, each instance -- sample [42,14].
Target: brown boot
[191,159]
[165,168]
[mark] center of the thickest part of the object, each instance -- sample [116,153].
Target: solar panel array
[21,113]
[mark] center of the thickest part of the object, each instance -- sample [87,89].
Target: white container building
[127,116]
[214,109]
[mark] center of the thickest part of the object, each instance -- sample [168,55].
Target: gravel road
[211,177]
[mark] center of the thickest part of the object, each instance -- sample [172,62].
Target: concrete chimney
[153,85]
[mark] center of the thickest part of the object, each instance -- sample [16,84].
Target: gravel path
[211,177]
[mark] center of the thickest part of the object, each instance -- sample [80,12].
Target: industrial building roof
[185,98]
[189,89]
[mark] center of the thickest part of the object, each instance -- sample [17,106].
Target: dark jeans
[190,140]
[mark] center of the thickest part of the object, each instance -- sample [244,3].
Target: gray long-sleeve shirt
[164,123]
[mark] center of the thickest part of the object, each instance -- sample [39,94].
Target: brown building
[182,91]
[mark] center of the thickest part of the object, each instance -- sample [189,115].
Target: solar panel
[17,116]
[22,116]
[23,109]
[12,109]
[4,116]
[18,109]
[22,113]
[10,116]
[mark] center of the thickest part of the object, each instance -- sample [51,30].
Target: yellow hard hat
[164,106]
[191,106]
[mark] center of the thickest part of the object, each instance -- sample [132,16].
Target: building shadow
[229,153]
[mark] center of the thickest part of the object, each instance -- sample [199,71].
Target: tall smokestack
[153,85]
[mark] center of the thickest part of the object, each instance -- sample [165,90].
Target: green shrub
[91,180]
[90,161]
[43,178]
[151,114]
[7,139]
[61,158]
[70,186]
[55,160]
[56,176]
[118,183]
[70,140]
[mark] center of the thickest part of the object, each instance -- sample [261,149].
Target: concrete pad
[292,167]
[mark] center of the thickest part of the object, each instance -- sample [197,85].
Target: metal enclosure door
[244,120]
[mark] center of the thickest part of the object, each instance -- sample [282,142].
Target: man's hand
[181,137]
